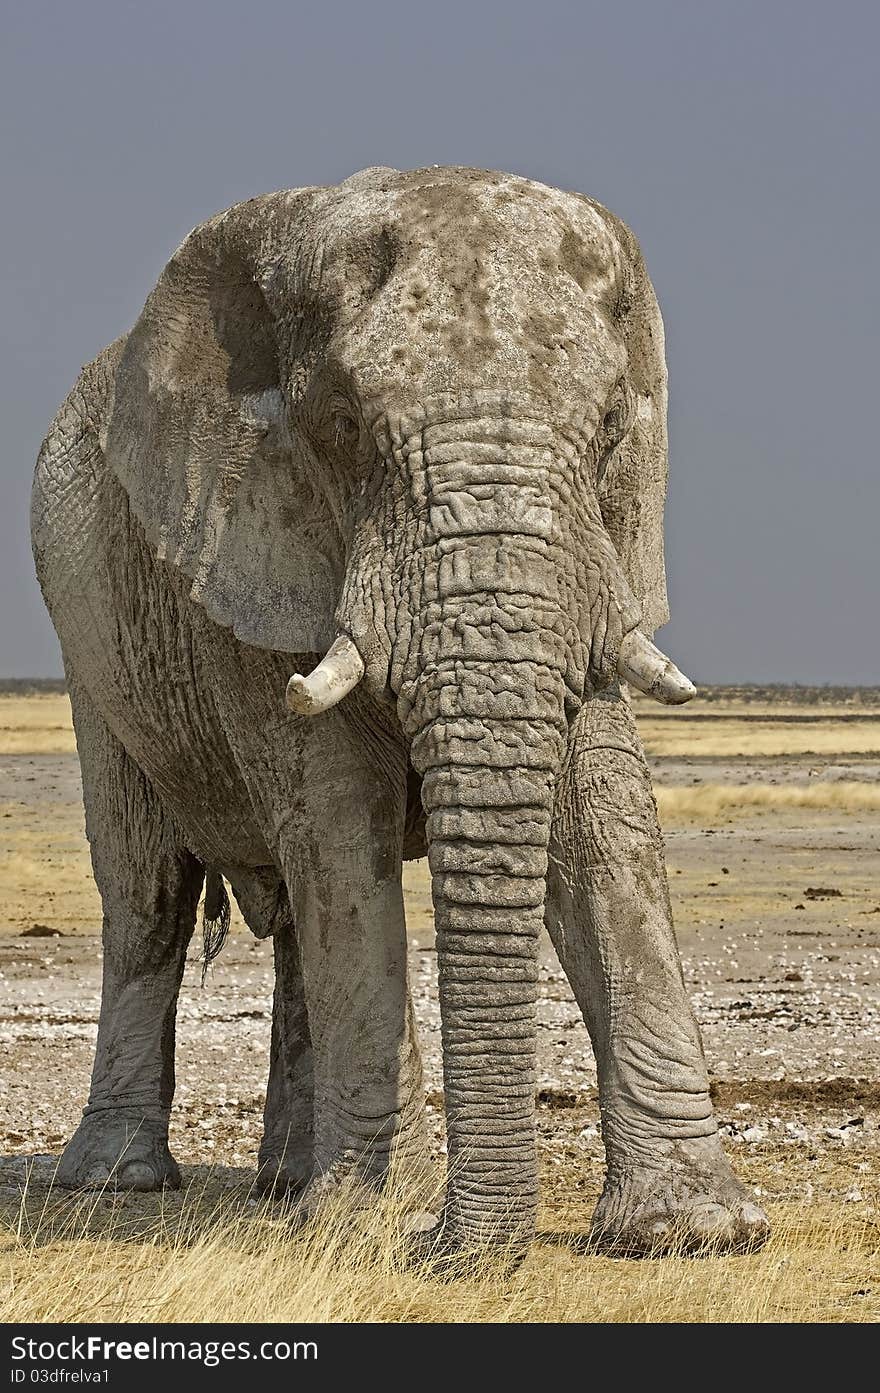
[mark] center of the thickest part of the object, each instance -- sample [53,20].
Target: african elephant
[412,429]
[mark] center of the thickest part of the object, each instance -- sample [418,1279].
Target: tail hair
[215,919]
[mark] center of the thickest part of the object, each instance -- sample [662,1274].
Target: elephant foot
[342,1191]
[284,1167]
[118,1151]
[442,1251]
[686,1202]
[358,1182]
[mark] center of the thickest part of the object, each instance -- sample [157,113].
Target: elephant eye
[617,419]
[615,424]
[346,430]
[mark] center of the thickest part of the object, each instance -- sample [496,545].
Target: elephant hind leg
[287,1148]
[150,886]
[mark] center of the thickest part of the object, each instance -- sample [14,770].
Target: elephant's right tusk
[334,677]
[640,663]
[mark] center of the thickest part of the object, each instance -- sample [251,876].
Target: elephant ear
[197,435]
[632,494]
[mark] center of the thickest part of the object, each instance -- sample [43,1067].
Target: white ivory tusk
[334,677]
[640,663]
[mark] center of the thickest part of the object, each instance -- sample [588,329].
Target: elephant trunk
[480,672]
[489,805]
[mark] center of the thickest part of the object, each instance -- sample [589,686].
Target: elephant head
[417,423]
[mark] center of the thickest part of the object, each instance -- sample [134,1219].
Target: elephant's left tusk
[640,663]
[332,679]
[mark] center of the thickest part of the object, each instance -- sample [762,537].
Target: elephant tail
[215,918]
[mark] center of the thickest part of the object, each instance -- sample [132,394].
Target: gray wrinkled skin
[428,411]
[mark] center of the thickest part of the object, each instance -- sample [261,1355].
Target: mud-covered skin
[118,1149]
[425,413]
[150,885]
[344,864]
[284,1162]
[686,1200]
[608,913]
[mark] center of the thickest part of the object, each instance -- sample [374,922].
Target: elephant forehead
[462,225]
[452,276]
[553,229]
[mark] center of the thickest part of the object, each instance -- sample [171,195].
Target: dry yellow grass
[36,725]
[712,802]
[228,1259]
[681,737]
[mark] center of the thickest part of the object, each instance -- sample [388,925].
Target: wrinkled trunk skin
[488,830]
[482,696]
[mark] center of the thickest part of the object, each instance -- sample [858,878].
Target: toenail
[96,1175]
[138,1175]
[753,1217]
[422,1221]
[710,1221]
[660,1228]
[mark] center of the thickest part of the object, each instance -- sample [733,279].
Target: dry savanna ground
[771,806]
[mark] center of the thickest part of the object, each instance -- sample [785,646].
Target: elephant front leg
[149,887]
[668,1181]
[344,876]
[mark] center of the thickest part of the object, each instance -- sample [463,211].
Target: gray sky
[738,139]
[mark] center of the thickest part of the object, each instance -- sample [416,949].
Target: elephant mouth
[639,662]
